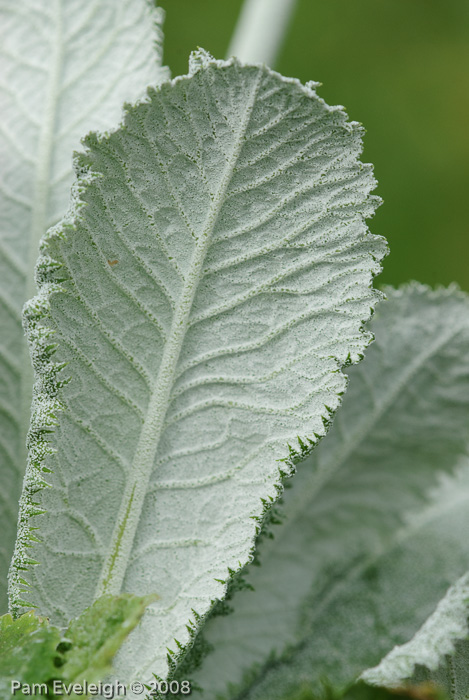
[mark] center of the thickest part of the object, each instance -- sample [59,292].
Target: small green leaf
[98,634]
[28,651]
[34,652]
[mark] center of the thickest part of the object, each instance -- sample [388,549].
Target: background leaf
[371,537]
[67,66]
[452,674]
[434,641]
[210,281]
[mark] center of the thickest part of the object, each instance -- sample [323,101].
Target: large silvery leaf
[66,68]
[212,277]
[348,574]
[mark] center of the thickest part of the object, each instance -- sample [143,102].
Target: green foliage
[97,635]
[34,652]
[362,691]
[28,651]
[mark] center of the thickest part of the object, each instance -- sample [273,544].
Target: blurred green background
[401,68]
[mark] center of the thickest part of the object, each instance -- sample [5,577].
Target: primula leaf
[348,574]
[28,651]
[97,635]
[66,68]
[34,652]
[434,641]
[211,279]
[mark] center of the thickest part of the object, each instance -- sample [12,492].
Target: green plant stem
[260,31]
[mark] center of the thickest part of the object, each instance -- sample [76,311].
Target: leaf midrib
[120,547]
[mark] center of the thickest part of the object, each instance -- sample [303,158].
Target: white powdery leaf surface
[210,281]
[435,639]
[66,68]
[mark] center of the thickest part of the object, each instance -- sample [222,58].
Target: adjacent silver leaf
[66,68]
[435,639]
[452,675]
[211,279]
[348,575]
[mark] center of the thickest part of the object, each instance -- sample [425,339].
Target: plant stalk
[261,30]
